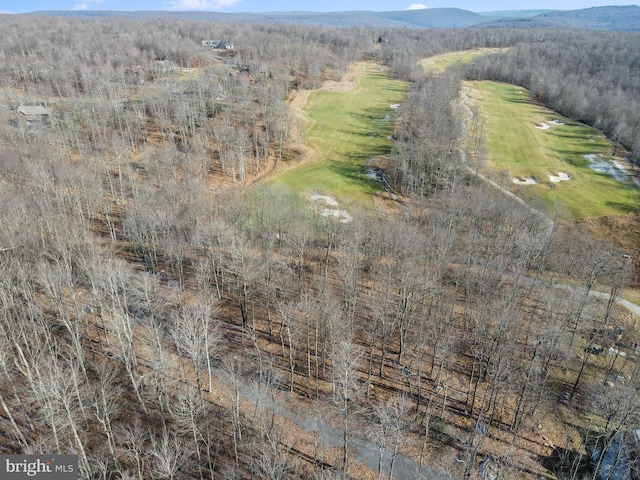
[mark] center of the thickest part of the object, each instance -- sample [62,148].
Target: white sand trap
[330,200]
[556,122]
[561,177]
[341,214]
[395,106]
[524,181]
[543,126]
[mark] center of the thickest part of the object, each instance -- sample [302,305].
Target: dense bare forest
[161,318]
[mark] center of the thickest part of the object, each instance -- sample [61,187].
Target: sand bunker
[342,215]
[330,200]
[561,177]
[525,181]
[547,125]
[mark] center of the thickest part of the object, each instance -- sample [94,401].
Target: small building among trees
[33,115]
[34,112]
[218,44]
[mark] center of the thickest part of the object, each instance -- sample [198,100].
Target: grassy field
[439,63]
[346,128]
[518,145]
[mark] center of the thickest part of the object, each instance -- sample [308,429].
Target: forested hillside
[164,313]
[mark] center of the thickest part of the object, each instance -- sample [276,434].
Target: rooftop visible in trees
[33,112]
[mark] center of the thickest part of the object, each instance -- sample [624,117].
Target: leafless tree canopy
[161,319]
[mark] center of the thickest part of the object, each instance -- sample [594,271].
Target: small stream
[378,174]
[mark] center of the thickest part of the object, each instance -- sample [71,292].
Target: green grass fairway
[346,129]
[516,146]
[439,63]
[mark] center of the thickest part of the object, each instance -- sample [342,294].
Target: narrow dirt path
[629,305]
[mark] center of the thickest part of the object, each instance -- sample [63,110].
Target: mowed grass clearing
[517,147]
[345,130]
[439,63]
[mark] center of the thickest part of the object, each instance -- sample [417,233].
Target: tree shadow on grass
[359,157]
[570,158]
[356,175]
[375,115]
[522,99]
[394,87]
[572,134]
[623,207]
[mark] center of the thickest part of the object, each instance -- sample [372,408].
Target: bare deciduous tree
[197,334]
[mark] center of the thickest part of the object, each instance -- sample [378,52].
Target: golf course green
[568,164]
[346,127]
[439,63]
[530,150]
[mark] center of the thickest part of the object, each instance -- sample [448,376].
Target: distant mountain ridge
[426,18]
[515,13]
[625,18]
[622,18]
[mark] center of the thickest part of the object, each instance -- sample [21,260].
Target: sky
[23,6]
